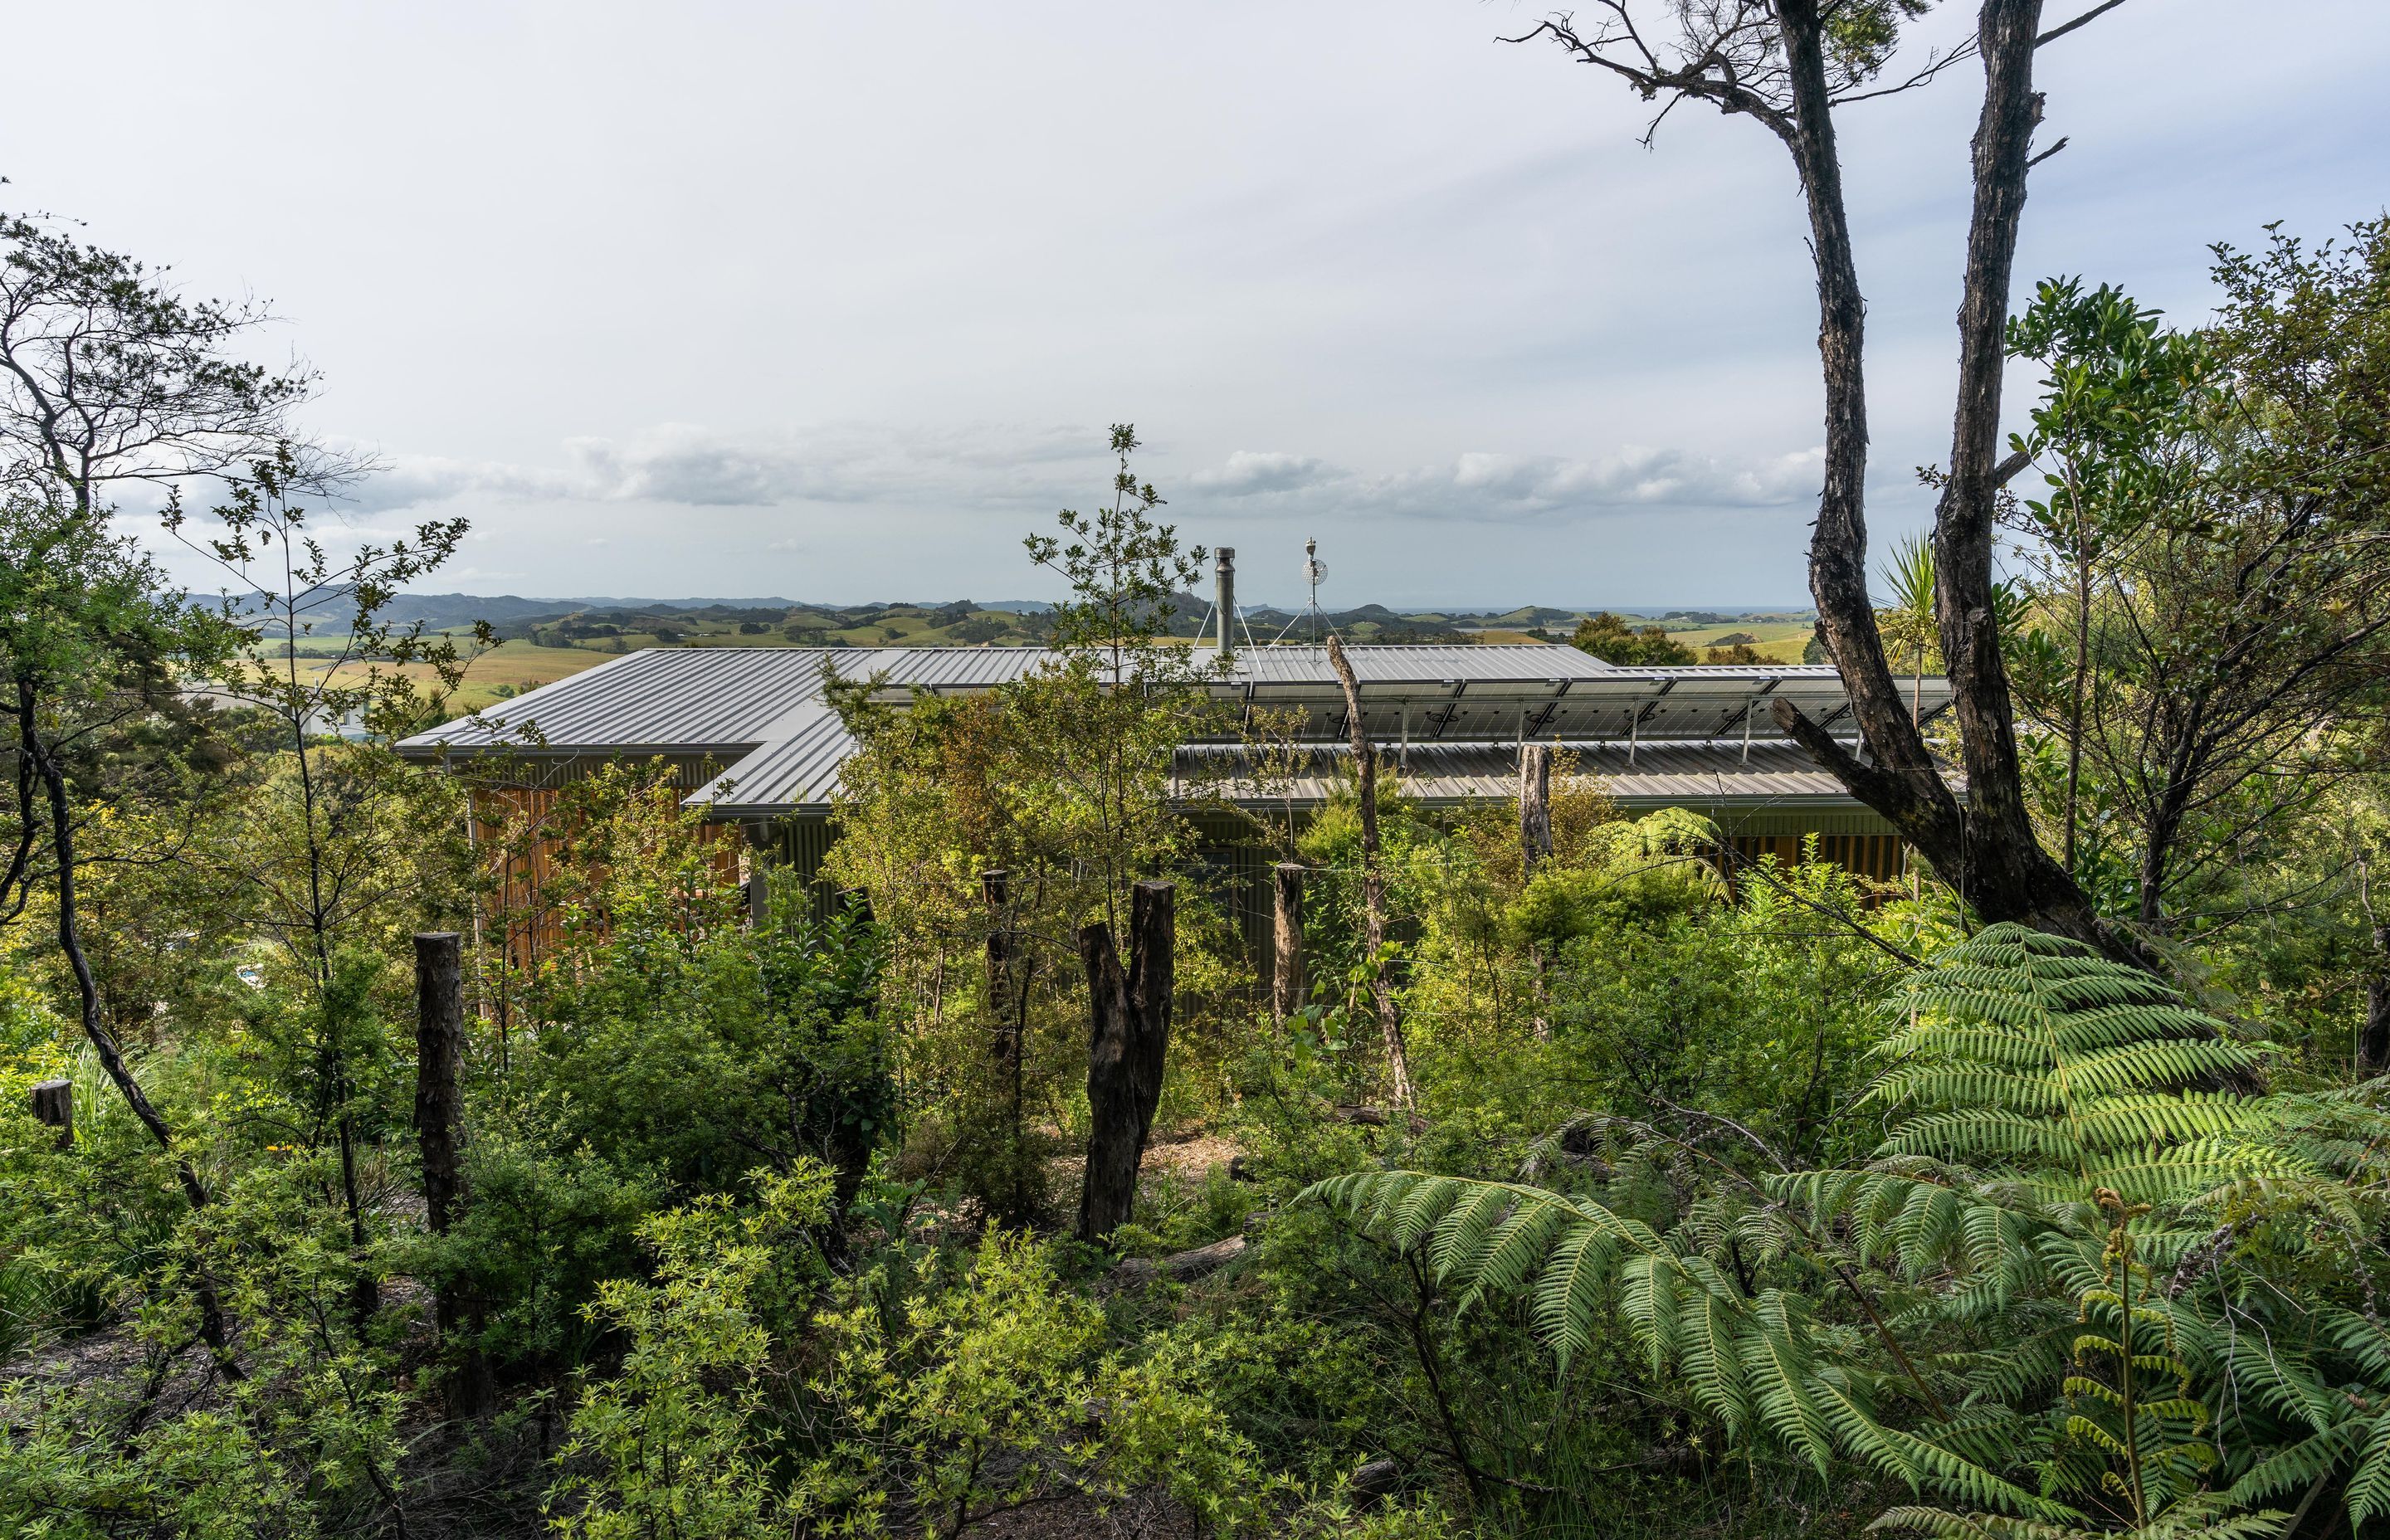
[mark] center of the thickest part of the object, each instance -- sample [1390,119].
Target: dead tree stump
[1130,1019]
[54,1106]
[1534,804]
[1287,982]
[439,1131]
[439,1067]
[762,851]
[1009,966]
[995,887]
[2373,1043]
[1536,845]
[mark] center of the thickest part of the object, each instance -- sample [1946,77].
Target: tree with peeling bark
[1791,66]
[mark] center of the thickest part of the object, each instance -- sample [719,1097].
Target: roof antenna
[1313,569]
[1315,572]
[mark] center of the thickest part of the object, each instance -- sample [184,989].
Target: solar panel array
[1664,774]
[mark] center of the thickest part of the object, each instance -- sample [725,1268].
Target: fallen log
[1179,1267]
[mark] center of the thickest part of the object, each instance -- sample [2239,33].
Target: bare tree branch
[2092,15]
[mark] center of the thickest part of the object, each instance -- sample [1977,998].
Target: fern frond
[2300,1464]
[2369,1489]
[1461,1227]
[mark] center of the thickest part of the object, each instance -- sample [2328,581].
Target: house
[753,743]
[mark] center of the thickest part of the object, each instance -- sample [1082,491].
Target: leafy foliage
[1612,640]
[2060,1131]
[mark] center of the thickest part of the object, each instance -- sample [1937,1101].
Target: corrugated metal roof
[798,770]
[703,698]
[764,705]
[700,698]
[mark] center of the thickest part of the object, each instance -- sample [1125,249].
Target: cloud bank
[1483,486]
[684,465]
[1005,468]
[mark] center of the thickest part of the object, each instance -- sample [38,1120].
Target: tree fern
[2088,1249]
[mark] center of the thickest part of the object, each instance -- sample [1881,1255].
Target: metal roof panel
[765,704]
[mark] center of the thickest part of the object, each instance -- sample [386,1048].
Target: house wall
[510,832]
[794,848]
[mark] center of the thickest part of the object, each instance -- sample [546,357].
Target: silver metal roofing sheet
[797,771]
[699,697]
[765,704]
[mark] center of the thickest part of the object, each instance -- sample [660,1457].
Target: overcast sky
[836,300]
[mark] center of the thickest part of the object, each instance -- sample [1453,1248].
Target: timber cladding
[516,833]
[1881,857]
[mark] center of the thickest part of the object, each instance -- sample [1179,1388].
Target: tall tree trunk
[1130,1041]
[1986,849]
[1373,881]
[2016,878]
[1899,778]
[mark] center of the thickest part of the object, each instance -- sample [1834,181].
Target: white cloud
[411,480]
[686,465]
[1476,486]
[1004,469]
[1248,473]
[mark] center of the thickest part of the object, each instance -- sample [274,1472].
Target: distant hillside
[544,640]
[441,610]
[515,615]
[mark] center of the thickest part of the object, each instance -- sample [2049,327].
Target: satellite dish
[1314,572]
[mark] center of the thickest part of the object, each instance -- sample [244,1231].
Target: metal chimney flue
[1225,600]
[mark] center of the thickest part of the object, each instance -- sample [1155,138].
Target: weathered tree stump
[439,1131]
[1534,804]
[54,1106]
[1130,1037]
[1536,845]
[995,886]
[1374,1482]
[439,1070]
[2373,1043]
[762,851]
[1287,981]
